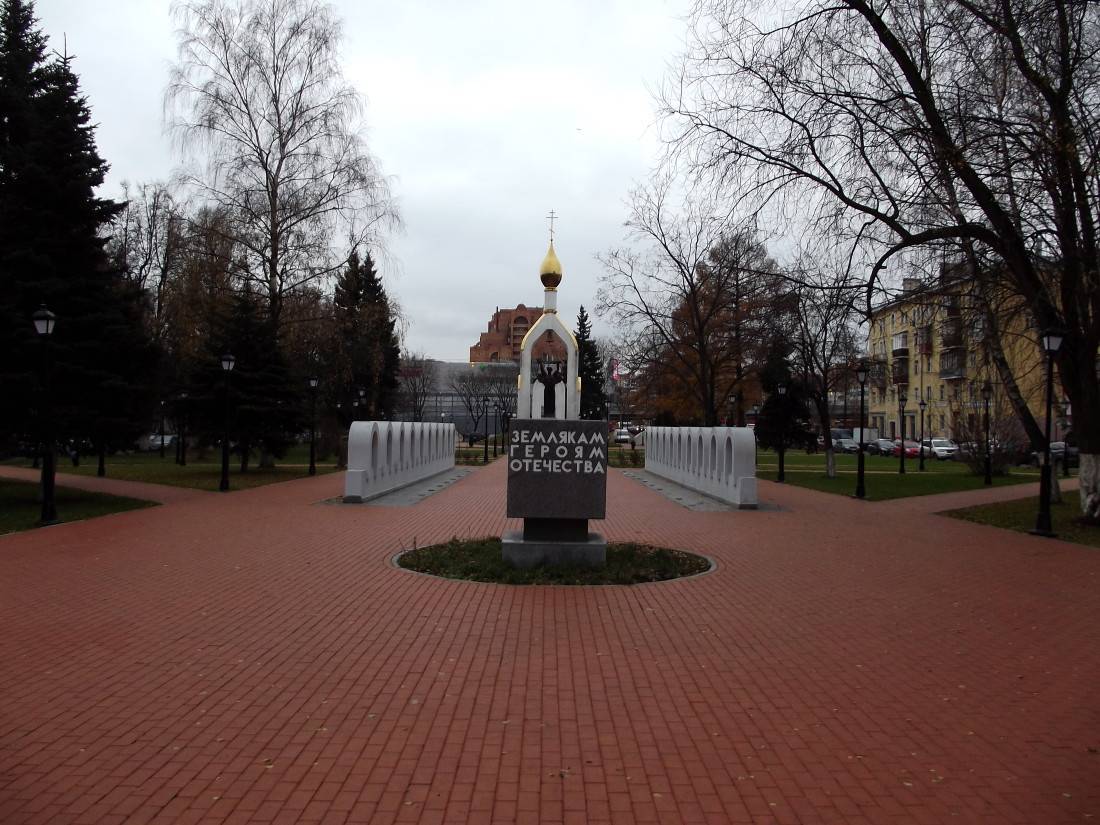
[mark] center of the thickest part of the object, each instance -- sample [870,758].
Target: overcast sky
[487,115]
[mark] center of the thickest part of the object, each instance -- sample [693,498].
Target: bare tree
[892,125]
[417,375]
[148,243]
[258,88]
[472,389]
[678,303]
[825,341]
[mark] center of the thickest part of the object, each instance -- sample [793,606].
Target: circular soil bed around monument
[480,560]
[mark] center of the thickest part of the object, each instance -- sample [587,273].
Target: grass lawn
[1020,516]
[480,560]
[20,506]
[474,456]
[882,480]
[201,473]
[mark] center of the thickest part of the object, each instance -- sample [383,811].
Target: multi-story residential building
[505,332]
[930,343]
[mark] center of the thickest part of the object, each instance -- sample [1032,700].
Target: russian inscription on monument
[557,469]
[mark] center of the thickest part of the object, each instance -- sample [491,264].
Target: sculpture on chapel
[549,375]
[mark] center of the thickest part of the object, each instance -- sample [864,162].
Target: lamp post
[755,443]
[485,406]
[987,394]
[183,429]
[313,382]
[44,321]
[781,388]
[861,377]
[902,398]
[496,422]
[923,404]
[1065,444]
[162,428]
[228,363]
[1052,342]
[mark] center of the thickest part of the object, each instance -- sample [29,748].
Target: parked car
[622,436]
[151,443]
[1059,451]
[940,448]
[912,448]
[846,445]
[880,446]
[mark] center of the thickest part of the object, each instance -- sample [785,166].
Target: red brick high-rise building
[504,334]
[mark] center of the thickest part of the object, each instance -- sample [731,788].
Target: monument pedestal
[523,552]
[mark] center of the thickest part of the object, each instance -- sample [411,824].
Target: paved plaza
[256,657]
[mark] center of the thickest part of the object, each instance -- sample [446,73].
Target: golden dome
[550,271]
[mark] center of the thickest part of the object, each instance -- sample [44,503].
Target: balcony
[951,334]
[876,373]
[952,366]
[924,340]
[899,346]
[899,372]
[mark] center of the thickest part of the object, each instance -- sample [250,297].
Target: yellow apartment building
[930,344]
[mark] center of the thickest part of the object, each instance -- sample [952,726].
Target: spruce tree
[52,252]
[590,368]
[368,352]
[784,419]
[264,409]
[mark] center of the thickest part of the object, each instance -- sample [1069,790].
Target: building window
[941,392]
[941,421]
[928,394]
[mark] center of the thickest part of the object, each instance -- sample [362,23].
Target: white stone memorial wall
[718,461]
[387,455]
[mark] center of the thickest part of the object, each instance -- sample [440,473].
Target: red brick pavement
[255,657]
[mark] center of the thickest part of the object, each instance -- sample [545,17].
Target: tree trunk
[245,453]
[267,459]
[101,470]
[1089,475]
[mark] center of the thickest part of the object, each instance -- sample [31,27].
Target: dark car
[880,446]
[846,445]
[1060,451]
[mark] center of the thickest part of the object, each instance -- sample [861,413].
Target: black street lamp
[1052,342]
[1065,444]
[781,388]
[44,321]
[755,443]
[485,406]
[902,398]
[313,426]
[162,429]
[861,377]
[183,429]
[923,404]
[987,395]
[496,423]
[228,362]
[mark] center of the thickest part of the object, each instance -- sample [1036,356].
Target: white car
[622,436]
[942,448]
